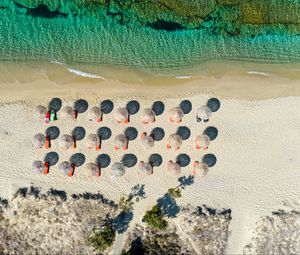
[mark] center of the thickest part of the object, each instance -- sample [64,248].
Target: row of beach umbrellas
[118,169]
[122,114]
[121,141]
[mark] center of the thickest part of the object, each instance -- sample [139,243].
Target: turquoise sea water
[90,42]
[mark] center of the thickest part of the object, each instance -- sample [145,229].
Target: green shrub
[154,218]
[101,239]
[175,193]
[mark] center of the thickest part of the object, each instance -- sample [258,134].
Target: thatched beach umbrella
[93,141]
[173,168]
[66,113]
[65,141]
[120,141]
[148,116]
[117,169]
[202,141]
[121,115]
[92,170]
[203,113]
[40,112]
[176,114]
[145,168]
[200,168]
[64,167]
[95,114]
[174,141]
[38,167]
[147,140]
[39,141]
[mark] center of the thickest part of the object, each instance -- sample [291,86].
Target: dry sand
[258,168]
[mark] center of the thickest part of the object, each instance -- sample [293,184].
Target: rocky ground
[51,223]
[199,230]
[277,234]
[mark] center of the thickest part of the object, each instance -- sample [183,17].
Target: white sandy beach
[258,167]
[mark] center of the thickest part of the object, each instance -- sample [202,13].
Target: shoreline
[30,83]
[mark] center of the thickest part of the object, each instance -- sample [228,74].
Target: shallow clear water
[95,44]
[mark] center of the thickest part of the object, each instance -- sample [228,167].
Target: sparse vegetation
[101,238]
[155,219]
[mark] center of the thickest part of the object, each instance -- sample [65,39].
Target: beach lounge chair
[46,167]
[71,171]
[47,142]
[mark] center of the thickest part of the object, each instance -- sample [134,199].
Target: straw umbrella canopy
[204,112]
[92,141]
[95,113]
[148,115]
[173,168]
[38,167]
[117,169]
[92,169]
[39,140]
[201,169]
[145,168]
[202,140]
[65,141]
[176,114]
[66,113]
[174,140]
[40,111]
[147,141]
[121,114]
[64,167]
[120,141]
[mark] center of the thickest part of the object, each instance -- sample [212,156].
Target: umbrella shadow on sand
[55,104]
[214,104]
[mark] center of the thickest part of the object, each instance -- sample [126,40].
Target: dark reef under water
[232,17]
[150,34]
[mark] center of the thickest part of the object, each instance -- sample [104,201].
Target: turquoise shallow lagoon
[94,44]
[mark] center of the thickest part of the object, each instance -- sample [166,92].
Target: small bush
[154,218]
[174,193]
[101,239]
[125,205]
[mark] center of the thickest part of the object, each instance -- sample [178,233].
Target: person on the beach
[203,113]
[47,117]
